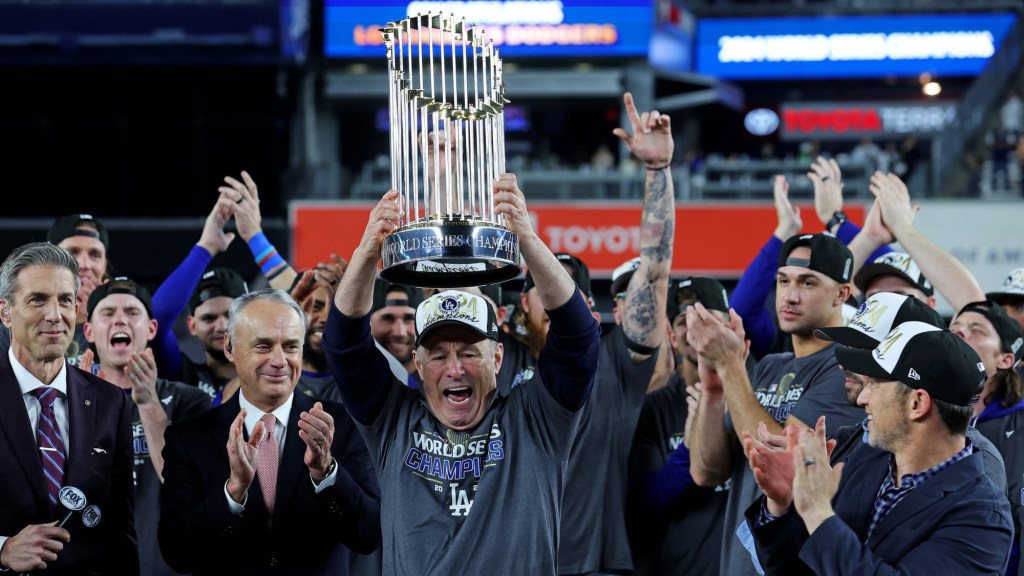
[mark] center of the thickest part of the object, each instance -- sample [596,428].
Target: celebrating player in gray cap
[456,459]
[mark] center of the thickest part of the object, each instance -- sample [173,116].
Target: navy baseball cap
[78,225]
[120,285]
[381,289]
[708,291]
[829,256]
[218,282]
[578,270]
[1010,334]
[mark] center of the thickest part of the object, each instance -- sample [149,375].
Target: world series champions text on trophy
[446,100]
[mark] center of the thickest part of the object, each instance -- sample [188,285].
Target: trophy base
[450,254]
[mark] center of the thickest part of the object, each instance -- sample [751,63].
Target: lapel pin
[88,402]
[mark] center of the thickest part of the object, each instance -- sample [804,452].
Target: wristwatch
[837,219]
[330,470]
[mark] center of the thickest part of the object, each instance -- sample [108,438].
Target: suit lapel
[81,426]
[920,498]
[862,476]
[291,467]
[17,429]
[226,414]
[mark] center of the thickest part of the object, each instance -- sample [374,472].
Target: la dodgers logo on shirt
[459,460]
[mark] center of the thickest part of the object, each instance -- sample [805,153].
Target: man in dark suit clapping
[269,482]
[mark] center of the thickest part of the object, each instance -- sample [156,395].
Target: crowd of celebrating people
[822,418]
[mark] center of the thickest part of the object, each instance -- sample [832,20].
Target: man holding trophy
[471,479]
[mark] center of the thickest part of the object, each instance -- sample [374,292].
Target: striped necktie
[51,446]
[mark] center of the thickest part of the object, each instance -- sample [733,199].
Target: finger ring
[809,462]
[823,178]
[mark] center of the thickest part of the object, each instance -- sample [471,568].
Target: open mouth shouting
[120,341]
[458,396]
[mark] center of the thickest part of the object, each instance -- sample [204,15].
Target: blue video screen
[528,28]
[849,46]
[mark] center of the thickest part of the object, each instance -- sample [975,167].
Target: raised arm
[755,285]
[554,285]
[568,361]
[172,296]
[949,276]
[250,221]
[644,321]
[361,370]
[709,442]
[828,204]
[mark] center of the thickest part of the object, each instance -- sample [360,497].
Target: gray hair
[263,295]
[34,254]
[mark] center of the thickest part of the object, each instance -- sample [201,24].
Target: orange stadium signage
[716,240]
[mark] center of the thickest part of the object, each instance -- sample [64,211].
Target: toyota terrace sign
[854,120]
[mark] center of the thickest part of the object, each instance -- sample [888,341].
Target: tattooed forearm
[644,316]
[657,227]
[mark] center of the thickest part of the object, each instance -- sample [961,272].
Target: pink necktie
[266,468]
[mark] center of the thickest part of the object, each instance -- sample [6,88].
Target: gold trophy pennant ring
[446,101]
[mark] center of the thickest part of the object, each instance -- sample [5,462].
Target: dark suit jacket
[99,441]
[198,532]
[957,522]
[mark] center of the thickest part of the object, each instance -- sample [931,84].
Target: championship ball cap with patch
[217,282]
[893,264]
[877,316]
[1011,336]
[829,255]
[120,285]
[622,274]
[579,272]
[455,308]
[68,226]
[923,357]
[708,291]
[1013,285]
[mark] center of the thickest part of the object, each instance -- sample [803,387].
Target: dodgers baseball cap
[382,289]
[622,274]
[120,285]
[578,270]
[456,308]
[829,255]
[1009,331]
[78,225]
[217,282]
[708,291]
[923,357]
[893,264]
[1013,285]
[877,316]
